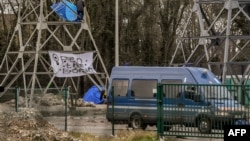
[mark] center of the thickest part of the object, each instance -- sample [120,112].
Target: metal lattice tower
[219,45]
[39,29]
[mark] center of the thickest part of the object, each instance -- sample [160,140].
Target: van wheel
[204,125]
[137,123]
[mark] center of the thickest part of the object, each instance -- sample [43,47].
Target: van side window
[144,88]
[173,89]
[120,87]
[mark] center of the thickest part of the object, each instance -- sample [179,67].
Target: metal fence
[35,103]
[201,110]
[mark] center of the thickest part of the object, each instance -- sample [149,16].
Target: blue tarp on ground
[94,95]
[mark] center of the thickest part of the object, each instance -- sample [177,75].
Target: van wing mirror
[235,97]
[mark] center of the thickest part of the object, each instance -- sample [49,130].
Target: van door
[143,100]
[192,103]
[173,103]
[120,100]
[183,103]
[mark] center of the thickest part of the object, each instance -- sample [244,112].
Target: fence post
[160,121]
[16,98]
[113,118]
[66,90]
[243,94]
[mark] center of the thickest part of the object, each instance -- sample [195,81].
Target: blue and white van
[186,101]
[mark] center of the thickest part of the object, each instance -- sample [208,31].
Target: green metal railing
[193,110]
[65,93]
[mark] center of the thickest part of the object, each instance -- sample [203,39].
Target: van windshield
[216,92]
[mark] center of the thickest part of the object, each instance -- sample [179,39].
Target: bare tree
[3,18]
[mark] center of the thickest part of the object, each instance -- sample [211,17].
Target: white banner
[71,65]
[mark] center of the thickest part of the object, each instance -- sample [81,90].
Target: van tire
[137,123]
[204,125]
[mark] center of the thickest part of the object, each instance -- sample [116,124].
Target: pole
[113,118]
[66,106]
[16,99]
[116,34]
[229,16]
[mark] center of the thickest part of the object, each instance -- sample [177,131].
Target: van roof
[201,75]
[154,68]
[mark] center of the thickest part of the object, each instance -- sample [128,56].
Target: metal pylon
[219,46]
[39,29]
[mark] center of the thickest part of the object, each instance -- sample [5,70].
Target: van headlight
[242,109]
[241,116]
[231,109]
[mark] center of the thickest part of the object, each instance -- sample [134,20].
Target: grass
[125,135]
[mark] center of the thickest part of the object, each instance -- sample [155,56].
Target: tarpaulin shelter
[94,95]
[66,10]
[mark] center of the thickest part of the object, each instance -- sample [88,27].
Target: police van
[132,98]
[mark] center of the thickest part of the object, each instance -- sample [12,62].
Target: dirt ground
[28,125]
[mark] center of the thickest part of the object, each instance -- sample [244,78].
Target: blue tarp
[94,95]
[65,10]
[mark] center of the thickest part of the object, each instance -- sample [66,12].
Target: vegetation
[150,34]
[148,29]
[129,135]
